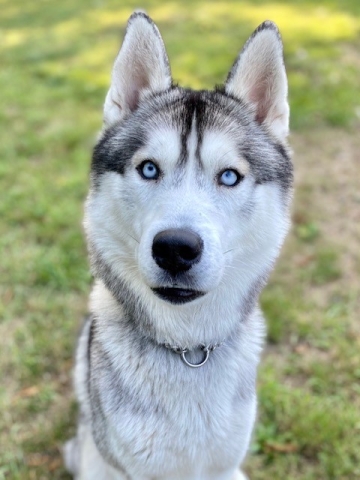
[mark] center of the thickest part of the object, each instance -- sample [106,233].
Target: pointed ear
[258,78]
[141,67]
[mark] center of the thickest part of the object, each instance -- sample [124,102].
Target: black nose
[177,250]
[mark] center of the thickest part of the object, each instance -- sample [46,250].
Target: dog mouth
[177,295]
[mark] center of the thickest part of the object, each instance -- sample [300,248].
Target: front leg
[84,461]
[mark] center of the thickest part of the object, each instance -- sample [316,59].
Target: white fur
[185,424]
[236,252]
[213,432]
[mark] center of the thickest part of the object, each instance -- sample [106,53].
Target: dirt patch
[327,184]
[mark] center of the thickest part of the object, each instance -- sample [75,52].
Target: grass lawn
[56,59]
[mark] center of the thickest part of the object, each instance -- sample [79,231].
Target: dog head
[190,189]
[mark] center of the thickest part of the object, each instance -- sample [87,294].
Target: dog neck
[205,322]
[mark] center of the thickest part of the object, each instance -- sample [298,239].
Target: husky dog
[188,208]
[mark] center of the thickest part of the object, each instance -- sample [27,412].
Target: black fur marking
[282,150]
[278,168]
[89,346]
[143,15]
[187,115]
[212,110]
[91,337]
[266,25]
[194,106]
[113,154]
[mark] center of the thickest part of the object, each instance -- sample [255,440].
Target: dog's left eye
[148,170]
[229,178]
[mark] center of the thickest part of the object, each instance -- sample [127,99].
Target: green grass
[55,63]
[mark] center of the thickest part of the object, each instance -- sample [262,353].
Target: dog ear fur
[141,68]
[258,77]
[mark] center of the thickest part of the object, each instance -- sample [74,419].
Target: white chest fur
[148,406]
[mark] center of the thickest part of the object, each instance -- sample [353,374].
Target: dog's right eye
[148,170]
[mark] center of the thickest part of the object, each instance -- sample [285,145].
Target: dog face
[190,190]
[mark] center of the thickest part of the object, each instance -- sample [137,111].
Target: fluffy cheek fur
[229,225]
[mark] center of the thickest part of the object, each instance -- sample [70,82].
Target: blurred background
[56,59]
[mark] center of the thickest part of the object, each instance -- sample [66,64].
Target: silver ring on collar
[206,350]
[181,351]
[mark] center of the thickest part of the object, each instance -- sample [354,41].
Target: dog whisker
[137,241]
[227,251]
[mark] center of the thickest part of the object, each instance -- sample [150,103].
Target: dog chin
[177,296]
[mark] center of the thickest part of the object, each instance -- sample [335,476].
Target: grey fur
[213,109]
[144,414]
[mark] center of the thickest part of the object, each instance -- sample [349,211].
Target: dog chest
[151,410]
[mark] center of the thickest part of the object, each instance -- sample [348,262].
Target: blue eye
[229,178]
[148,170]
